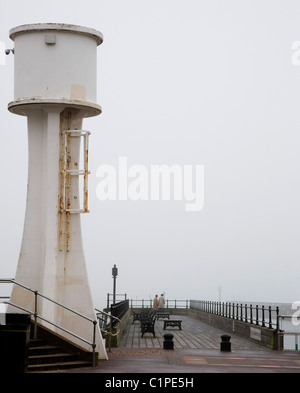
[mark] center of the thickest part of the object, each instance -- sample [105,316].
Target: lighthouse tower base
[51,259]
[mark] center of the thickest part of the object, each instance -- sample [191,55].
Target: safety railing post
[257,320]
[35,314]
[110,332]
[263,316]
[94,342]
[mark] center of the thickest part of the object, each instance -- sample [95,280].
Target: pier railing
[289,331]
[257,315]
[115,298]
[146,303]
[118,310]
[169,303]
[260,315]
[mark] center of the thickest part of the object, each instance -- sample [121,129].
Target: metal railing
[36,315]
[119,309]
[148,303]
[289,330]
[107,322]
[257,315]
[119,297]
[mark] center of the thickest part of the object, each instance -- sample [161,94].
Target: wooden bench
[162,315]
[172,322]
[138,316]
[148,323]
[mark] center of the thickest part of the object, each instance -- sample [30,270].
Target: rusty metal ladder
[75,172]
[66,174]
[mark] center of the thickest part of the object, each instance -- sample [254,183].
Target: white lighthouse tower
[55,88]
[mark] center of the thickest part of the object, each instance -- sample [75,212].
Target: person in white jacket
[161,301]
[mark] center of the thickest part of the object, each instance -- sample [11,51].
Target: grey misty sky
[205,82]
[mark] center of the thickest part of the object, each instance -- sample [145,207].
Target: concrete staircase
[50,352]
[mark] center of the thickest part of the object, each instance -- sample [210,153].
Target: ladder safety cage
[75,172]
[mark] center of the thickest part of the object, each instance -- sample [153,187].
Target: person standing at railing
[155,302]
[161,301]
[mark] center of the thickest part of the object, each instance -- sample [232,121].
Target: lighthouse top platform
[55,67]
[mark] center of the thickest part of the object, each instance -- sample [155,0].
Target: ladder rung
[77,172]
[73,211]
[77,132]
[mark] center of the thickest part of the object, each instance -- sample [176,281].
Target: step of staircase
[57,366]
[45,357]
[49,354]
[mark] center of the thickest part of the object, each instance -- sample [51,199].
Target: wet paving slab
[196,351]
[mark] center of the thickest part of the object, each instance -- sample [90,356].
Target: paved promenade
[196,350]
[194,334]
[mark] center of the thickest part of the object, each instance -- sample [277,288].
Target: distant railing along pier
[257,315]
[169,303]
[146,303]
[264,316]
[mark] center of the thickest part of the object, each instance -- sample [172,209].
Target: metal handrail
[46,320]
[110,332]
[111,317]
[19,307]
[35,314]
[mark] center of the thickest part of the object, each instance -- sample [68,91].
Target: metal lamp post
[114,274]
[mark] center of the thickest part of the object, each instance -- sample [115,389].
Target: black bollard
[225,343]
[168,341]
